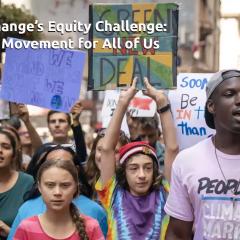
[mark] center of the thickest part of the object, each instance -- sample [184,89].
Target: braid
[79,222]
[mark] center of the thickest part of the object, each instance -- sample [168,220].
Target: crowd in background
[115,186]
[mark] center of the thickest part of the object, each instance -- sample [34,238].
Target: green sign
[133,40]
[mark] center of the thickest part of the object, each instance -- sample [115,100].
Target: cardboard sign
[108,108]
[188,104]
[113,64]
[48,78]
[140,106]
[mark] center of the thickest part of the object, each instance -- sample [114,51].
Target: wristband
[164,109]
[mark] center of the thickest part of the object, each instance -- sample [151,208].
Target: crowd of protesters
[119,186]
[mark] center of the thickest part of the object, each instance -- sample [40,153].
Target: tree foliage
[12,14]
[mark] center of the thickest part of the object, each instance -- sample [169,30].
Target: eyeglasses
[64,145]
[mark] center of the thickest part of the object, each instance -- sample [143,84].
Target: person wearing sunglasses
[35,205]
[59,124]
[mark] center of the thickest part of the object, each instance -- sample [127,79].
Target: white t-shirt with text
[200,193]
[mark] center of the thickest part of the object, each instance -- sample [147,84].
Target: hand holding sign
[127,95]
[4,110]
[47,78]
[76,112]
[158,95]
[23,112]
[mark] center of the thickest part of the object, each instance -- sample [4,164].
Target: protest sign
[140,106]
[109,105]
[125,49]
[188,104]
[47,78]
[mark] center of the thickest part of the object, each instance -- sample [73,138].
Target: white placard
[109,105]
[188,104]
[142,106]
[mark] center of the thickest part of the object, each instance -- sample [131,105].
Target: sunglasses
[71,146]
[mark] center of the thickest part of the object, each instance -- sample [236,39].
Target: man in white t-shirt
[204,199]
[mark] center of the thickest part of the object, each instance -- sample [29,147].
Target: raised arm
[111,137]
[77,131]
[168,127]
[24,116]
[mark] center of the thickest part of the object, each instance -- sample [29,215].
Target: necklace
[234,192]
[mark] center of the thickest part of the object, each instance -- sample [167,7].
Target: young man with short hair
[204,198]
[59,124]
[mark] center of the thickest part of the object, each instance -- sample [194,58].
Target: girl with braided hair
[58,184]
[34,204]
